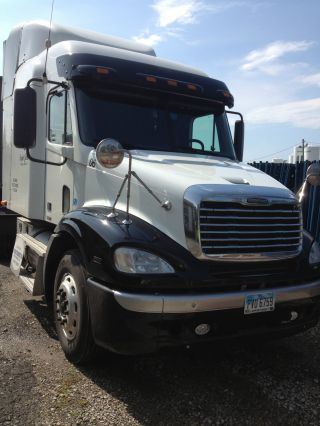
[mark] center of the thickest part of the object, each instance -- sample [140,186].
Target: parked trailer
[138,221]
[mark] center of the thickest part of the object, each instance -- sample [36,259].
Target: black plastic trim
[126,70]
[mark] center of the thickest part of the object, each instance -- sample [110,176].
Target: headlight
[134,261]
[314,255]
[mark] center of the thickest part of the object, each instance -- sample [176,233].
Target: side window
[60,131]
[205,131]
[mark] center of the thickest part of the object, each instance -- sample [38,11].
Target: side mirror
[239,139]
[109,153]
[25,118]
[313,174]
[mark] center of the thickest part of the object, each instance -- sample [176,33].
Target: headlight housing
[135,261]
[314,254]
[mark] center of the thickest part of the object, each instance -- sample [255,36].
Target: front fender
[97,236]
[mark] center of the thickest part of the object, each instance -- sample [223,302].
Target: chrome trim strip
[247,210]
[251,232]
[252,246]
[251,217]
[248,239]
[189,303]
[258,225]
[241,194]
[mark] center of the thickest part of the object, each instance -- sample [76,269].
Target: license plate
[259,302]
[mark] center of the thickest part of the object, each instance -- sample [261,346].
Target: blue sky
[267,52]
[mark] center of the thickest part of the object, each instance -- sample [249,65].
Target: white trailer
[138,221]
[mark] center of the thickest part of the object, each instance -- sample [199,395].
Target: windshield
[140,122]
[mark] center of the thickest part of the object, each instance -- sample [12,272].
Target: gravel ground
[273,384]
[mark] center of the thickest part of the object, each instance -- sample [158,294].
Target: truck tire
[71,310]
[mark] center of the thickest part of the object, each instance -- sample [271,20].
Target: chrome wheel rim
[68,307]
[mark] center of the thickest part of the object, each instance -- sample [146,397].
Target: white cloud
[173,15]
[177,11]
[303,114]
[265,59]
[187,11]
[149,39]
[313,79]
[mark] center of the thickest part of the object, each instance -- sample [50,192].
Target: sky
[266,51]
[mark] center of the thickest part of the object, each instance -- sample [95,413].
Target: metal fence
[292,176]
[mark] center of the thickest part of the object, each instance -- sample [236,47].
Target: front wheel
[71,311]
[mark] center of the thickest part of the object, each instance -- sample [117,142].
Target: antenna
[48,45]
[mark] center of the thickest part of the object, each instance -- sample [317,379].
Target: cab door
[59,175]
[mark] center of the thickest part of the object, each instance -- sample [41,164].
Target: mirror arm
[40,80]
[236,113]
[36,160]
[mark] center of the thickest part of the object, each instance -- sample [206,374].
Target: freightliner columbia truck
[133,213]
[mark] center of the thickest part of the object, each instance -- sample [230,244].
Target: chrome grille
[234,229]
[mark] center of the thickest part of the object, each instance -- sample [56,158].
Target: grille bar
[256,225]
[256,246]
[248,210]
[251,217]
[249,239]
[249,232]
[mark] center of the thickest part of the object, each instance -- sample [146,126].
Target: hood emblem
[257,201]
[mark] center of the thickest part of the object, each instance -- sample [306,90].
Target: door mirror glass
[239,139]
[25,118]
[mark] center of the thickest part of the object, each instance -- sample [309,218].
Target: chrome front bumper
[192,303]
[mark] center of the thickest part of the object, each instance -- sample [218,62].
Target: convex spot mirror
[25,118]
[313,174]
[109,153]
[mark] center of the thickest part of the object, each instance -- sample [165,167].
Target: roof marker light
[192,87]
[103,70]
[151,79]
[163,82]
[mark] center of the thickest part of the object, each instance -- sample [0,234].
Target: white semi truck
[136,218]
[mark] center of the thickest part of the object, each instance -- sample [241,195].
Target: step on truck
[133,213]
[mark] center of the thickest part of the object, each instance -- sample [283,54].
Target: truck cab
[138,221]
